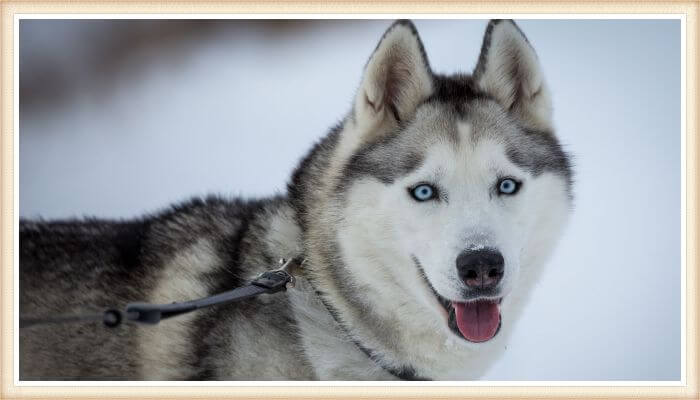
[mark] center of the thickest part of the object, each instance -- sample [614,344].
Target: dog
[424,219]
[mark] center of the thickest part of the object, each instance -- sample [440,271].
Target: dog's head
[448,191]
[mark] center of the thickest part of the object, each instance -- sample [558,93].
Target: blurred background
[123,117]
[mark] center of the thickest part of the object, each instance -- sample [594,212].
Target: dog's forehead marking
[434,122]
[464,121]
[488,120]
[465,132]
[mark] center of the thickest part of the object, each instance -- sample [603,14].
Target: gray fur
[76,267]
[333,325]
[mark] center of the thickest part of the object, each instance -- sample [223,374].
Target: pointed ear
[396,79]
[508,69]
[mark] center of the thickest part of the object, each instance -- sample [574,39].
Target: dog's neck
[402,372]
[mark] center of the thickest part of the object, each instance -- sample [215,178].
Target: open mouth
[477,320]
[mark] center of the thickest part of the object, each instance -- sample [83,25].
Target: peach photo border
[687,388]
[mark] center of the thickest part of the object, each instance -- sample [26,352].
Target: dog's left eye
[423,192]
[508,186]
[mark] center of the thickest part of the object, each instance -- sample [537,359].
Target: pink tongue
[477,320]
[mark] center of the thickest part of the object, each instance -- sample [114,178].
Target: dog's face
[454,187]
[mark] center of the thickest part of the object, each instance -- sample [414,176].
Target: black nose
[480,268]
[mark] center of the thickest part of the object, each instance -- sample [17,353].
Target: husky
[424,220]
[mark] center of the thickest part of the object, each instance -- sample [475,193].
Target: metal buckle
[288,266]
[278,279]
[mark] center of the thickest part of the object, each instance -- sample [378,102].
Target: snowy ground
[232,110]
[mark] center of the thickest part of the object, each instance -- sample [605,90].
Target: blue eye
[508,186]
[423,192]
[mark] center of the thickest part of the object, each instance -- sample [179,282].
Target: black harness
[269,282]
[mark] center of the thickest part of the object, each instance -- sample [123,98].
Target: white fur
[165,347]
[385,226]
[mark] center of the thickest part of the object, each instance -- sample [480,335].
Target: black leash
[145,313]
[269,282]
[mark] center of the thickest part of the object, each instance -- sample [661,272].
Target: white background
[232,112]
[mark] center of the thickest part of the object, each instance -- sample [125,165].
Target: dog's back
[194,250]
[79,268]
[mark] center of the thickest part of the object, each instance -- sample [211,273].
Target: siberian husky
[424,219]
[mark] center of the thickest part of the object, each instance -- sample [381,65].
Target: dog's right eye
[423,192]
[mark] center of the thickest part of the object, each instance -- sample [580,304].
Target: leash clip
[279,279]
